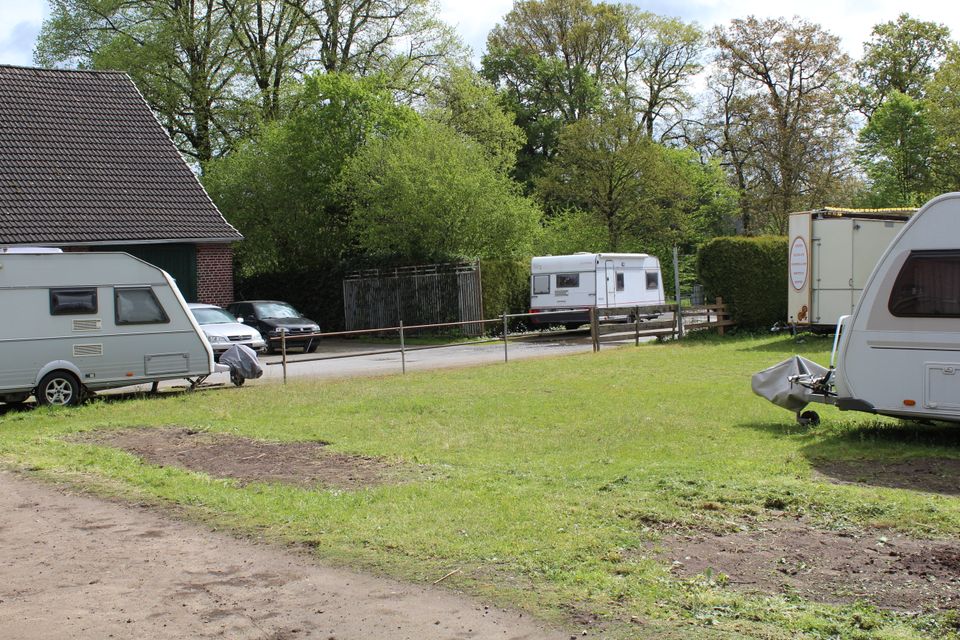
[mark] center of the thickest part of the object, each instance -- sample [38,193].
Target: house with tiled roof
[85,166]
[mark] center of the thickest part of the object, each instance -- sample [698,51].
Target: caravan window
[620,281]
[653,282]
[72,301]
[541,284]
[928,286]
[138,306]
[568,280]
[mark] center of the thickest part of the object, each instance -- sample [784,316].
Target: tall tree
[469,104]
[212,69]
[658,57]
[272,38]
[895,152]
[431,194]
[942,106]
[902,56]
[643,194]
[558,61]
[781,123]
[278,188]
[178,52]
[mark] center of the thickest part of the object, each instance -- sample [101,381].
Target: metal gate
[430,294]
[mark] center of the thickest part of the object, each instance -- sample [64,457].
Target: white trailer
[898,353]
[584,280]
[832,252]
[79,322]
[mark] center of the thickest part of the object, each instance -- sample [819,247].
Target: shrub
[750,274]
[506,286]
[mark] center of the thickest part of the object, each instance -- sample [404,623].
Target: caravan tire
[58,389]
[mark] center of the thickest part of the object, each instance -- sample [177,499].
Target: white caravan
[584,280]
[898,354]
[78,322]
[832,253]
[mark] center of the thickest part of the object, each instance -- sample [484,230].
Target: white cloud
[474,19]
[19,28]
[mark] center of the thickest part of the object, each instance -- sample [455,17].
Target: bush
[506,286]
[750,274]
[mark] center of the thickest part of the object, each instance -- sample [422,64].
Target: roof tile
[84,160]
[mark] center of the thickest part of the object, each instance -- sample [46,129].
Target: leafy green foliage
[895,152]
[278,188]
[429,194]
[943,112]
[901,56]
[750,274]
[469,104]
[506,286]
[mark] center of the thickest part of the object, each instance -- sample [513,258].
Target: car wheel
[311,346]
[58,389]
[270,349]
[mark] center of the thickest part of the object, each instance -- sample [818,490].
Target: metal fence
[677,320]
[421,295]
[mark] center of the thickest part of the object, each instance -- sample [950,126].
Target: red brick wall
[215,273]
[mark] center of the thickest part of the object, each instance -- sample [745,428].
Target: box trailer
[79,322]
[832,252]
[584,280]
[898,353]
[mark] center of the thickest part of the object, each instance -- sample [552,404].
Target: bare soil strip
[306,464]
[79,568]
[791,556]
[933,475]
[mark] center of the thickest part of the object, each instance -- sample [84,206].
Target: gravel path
[76,567]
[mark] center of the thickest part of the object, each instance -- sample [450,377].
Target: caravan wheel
[59,389]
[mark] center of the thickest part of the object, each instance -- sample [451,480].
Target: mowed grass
[548,482]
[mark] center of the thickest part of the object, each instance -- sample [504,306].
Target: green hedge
[506,286]
[750,274]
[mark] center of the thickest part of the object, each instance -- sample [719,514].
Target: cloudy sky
[852,20]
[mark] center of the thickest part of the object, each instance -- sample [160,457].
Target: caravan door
[611,277]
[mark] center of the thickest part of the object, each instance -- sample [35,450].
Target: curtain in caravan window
[928,286]
[138,306]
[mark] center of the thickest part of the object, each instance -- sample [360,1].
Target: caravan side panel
[900,354]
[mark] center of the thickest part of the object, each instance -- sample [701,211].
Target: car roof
[202,305]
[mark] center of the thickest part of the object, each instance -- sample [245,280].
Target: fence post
[721,316]
[636,326]
[595,329]
[676,286]
[506,329]
[283,352]
[403,350]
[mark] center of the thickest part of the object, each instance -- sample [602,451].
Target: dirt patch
[933,475]
[790,556]
[305,464]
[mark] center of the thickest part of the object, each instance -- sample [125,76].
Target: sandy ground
[76,567]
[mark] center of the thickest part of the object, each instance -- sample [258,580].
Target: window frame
[899,286]
[574,277]
[533,284]
[54,311]
[656,280]
[116,307]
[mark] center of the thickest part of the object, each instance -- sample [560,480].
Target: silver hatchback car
[222,329]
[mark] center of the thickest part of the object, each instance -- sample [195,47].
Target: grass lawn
[549,482]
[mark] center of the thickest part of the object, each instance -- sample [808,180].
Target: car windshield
[210,315]
[275,310]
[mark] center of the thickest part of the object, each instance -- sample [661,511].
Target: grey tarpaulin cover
[242,360]
[774,383]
